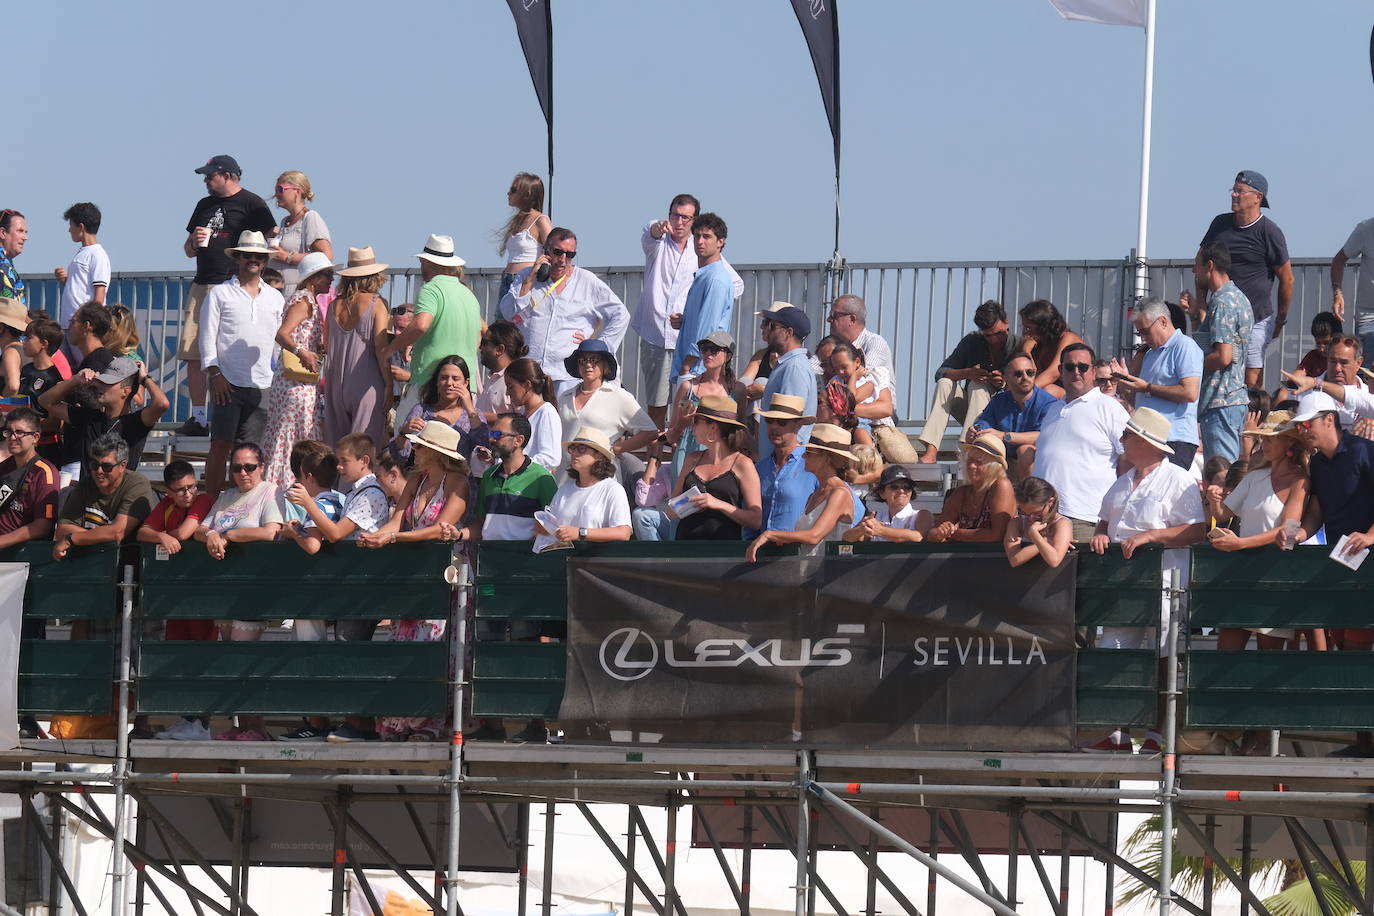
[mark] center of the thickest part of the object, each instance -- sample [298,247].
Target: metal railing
[921,308]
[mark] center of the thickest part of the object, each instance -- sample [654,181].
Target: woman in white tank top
[523,236]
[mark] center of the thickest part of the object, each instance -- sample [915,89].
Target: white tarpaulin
[13,577]
[1107,12]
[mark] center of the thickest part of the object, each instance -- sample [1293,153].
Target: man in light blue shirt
[784,330]
[1170,377]
[710,304]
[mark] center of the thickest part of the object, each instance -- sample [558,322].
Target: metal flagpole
[1142,280]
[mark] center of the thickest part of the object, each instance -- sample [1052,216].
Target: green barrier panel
[1292,690]
[68,676]
[1269,587]
[1116,592]
[1117,687]
[519,680]
[276,581]
[318,678]
[82,586]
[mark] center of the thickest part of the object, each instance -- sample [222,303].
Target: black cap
[894,473]
[220,164]
[1257,181]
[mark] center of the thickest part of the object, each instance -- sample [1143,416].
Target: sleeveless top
[808,520]
[982,520]
[522,247]
[417,516]
[712,524]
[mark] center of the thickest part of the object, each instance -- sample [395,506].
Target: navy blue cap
[793,318]
[1256,181]
[220,164]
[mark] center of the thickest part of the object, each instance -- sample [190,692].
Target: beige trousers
[952,401]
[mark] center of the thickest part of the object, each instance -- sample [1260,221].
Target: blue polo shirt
[1344,486]
[1006,416]
[1178,359]
[785,491]
[792,375]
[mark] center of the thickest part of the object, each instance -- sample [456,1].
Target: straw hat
[311,264]
[717,407]
[1152,426]
[786,407]
[441,437]
[13,314]
[826,437]
[777,304]
[362,262]
[439,250]
[251,242]
[1273,425]
[989,444]
[593,438]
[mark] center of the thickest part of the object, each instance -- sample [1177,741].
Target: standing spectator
[1080,442]
[557,313]
[446,397]
[784,330]
[1258,253]
[1037,529]
[1215,471]
[302,231]
[608,408]
[895,519]
[649,517]
[848,321]
[531,393]
[356,391]
[14,232]
[512,489]
[315,471]
[237,347]
[110,410]
[1358,246]
[1325,328]
[86,332]
[14,321]
[1047,336]
[524,234]
[668,270]
[293,408]
[502,343]
[1343,382]
[42,339]
[1170,377]
[978,511]
[1016,413]
[729,500]
[785,484]
[398,364]
[832,509]
[717,377]
[215,226]
[976,363]
[87,277]
[1223,399]
[710,303]
[447,320]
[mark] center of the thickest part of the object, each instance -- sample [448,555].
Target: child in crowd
[273,278]
[848,363]
[895,519]
[1326,327]
[1037,529]
[652,490]
[390,475]
[1213,486]
[312,498]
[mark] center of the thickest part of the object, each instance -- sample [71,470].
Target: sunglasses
[105,467]
[400,310]
[286,187]
[8,433]
[1022,373]
[708,349]
[1075,367]
[559,252]
[580,449]
[244,468]
[252,256]
[497,434]
[1105,383]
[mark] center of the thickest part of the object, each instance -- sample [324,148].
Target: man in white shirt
[669,263]
[1344,359]
[848,320]
[87,277]
[558,313]
[1080,442]
[238,346]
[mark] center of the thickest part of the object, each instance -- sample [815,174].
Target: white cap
[1314,403]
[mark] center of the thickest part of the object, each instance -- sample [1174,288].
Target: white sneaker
[186,730]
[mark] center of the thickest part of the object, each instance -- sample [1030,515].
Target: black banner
[822,31]
[534,24]
[933,650]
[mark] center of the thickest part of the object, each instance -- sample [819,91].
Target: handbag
[294,370]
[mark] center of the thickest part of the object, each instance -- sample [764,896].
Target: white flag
[1107,12]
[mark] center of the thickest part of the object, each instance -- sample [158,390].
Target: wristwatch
[1006,438]
[581,534]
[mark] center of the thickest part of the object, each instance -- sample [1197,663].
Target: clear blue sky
[977,129]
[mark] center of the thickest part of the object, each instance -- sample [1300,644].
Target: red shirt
[37,496]
[1314,363]
[167,515]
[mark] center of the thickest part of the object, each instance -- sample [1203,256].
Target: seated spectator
[590,402]
[512,489]
[1015,413]
[866,469]
[785,485]
[447,397]
[728,484]
[1213,487]
[871,400]
[502,343]
[590,505]
[1102,378]
[1342,381]
[1047,336]
[976,363]
[977,511]
[531,393]
[174,520]
[315,471]
[392,478]
[122,338]
[895,519]
[832,509]
[1037,529]
[113,391]
[108,504]
[717,377]
[649,517]
[1326,329]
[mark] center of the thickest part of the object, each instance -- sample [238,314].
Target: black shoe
[485,733]
[1352,750]
[29,728]
[532,734]
[140,734]
[192,428]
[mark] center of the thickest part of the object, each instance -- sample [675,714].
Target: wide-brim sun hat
[14,315]
[313,263]
[717,407]
[786,407]
[1152,426]
[440,437]
[777,304]
[1278,423]
[594,439]
[989,445]
[439,250]
[834,440]
[600,348]
[251,242]
[362,262]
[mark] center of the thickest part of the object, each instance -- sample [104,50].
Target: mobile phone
[1289,383]
[1119,377]
[542,273]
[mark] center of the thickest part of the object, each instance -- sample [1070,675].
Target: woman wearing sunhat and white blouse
[590,505]
[609,408]
[833,508]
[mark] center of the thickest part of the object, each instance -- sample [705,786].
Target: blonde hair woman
[978,511]
[356,393]
[302,230]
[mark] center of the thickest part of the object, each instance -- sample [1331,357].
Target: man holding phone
[1168,379]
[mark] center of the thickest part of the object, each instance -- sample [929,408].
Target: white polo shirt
[1080,441]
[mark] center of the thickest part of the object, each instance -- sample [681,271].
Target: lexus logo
[616,649]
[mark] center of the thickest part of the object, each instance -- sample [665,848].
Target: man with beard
[513,489]
[784,329]
[710,304]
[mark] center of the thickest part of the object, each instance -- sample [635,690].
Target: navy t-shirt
[227,217]
[1344,486]
[1256,251]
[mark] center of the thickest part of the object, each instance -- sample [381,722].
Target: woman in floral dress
[293,401]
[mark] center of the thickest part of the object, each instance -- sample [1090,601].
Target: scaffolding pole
[803,832]
[458,655]
[53,846]
[121,767]
[1166,784]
